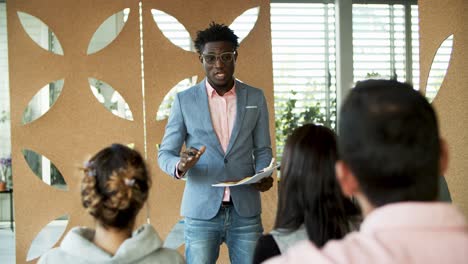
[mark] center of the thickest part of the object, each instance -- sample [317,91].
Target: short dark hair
[389,138]
[115,186]
[215,32]
[309,193]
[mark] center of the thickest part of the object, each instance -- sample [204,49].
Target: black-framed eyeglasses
[225,57]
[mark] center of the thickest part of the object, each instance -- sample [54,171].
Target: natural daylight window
[303,46]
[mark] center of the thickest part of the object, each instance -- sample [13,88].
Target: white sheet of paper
[248,180]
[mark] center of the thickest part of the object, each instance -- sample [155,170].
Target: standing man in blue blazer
[224,126]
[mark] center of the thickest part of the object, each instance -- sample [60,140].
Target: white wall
[5,144]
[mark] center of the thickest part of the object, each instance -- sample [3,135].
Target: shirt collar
[413,215]
[210,91]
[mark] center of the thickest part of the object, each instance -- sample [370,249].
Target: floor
[52,232]
[44,241]
[7,244]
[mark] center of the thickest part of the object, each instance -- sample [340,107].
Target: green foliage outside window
[4,116]
[289,117]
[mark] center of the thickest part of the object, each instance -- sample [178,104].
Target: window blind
[379,41]
[4,94]
[303,46]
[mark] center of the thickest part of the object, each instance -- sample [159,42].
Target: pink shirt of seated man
[409,232]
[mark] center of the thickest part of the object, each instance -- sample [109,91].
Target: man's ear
[200,57]
[444,157]
[345,177]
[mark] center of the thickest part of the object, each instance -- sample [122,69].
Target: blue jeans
[204,237]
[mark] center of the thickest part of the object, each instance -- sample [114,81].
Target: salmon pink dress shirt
[223,114]
[410,232]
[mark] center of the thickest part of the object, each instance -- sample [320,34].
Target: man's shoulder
[249,88]
[191,91]
[351,249]
[301,252]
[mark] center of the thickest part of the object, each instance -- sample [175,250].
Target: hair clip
[129,182]
[91,172]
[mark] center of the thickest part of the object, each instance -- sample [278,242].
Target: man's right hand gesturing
[188,158]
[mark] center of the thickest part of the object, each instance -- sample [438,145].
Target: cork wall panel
[438,20]
[77,125]
[166,64]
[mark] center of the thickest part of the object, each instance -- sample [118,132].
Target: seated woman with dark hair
[310,203]
[114,188]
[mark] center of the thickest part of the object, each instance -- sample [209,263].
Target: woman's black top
[266,248]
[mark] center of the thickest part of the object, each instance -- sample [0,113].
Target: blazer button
[225,161]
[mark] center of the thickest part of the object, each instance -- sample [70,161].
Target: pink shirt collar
[210,91]
[413,215]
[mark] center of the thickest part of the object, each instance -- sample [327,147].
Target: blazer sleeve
[174,138]
[266,248]
[261,137]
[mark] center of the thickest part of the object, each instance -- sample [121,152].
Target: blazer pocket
[250,118]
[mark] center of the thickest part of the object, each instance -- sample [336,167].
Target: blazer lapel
[241,97]
[205,116]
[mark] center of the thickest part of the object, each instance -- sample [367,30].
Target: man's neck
[366,206]
[222,90]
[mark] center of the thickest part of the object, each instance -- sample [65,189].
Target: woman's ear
[345,177]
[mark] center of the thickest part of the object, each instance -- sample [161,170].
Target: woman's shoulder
[76,247]
[147,237]
[267,239]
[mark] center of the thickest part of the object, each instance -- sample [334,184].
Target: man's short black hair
[215,32]
[388,136]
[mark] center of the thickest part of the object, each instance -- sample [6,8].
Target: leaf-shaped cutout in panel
[172,29]
[47,237]
[166,104]
[42,101]
[439,68]
[38,31]
[175,238]
[244,23]
[44,169]
[126,13]
[110,99]
[108,31]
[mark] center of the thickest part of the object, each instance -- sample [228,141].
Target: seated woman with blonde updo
[114,188]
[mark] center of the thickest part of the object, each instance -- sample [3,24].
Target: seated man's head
[115,186]
[389,145]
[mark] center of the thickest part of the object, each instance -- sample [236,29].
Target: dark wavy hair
[309,193]
[215,32]
[115,186]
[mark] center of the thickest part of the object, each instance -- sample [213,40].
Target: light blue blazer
[249,150]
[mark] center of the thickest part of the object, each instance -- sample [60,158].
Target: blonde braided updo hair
[115,185]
